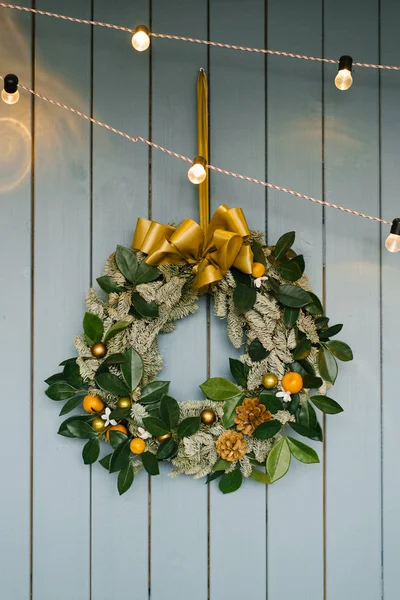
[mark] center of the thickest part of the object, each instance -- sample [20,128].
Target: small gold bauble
[208,416]
[98,424]
[124,402]
[99,350]
[270,381]
[166,436]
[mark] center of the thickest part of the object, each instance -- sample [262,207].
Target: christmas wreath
[240,428]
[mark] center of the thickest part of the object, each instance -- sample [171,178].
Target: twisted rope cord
[182,38]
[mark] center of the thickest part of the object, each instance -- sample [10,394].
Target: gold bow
[211,255]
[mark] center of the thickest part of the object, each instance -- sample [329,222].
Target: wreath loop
[239,429]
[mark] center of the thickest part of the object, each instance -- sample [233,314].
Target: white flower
[106,418]
[286,397]
[142,433]
[259,280]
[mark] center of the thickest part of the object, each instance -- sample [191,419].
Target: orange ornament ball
[292,382]
[258,270]
[120,428]
[137,446]
[93,404]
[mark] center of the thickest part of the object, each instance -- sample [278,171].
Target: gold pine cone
[231,445]
[250,414]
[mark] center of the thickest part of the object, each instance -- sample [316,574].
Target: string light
[393,240]
[141,38]
[344,79]
[10,93]
[197,172]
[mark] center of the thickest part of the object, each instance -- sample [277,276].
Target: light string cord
[139,138]
[182,38]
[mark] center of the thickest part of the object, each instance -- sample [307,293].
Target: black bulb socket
[345,62]
[395,227]
[10,83]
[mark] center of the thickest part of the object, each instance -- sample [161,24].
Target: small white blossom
[259,280]
[106,418]
[286,396]
[142,433]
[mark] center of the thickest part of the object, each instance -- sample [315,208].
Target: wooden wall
[69,193]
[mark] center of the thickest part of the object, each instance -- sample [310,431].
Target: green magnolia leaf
[260,476]
[244,297]
[218,389]
[93,327]
[283,244]
[299,260]
[302,349]
[267,430]
[155,426]
[115,329]
[307,416]
[212,476]
[289,270]
[330,332]
[148,310]
[229,415]
[257,351]
[293,296]
[120,457]
[117,438]
[188,426]
[326,405]
[297,367]
[302,452]
[108,285]
[230,482]
[126,262]
[307,367]
[81,429]
[278,461]
[312,383]
[167,449]
[55,378]
[105,461]
[146,273]
[290,316]
[313,434]
[274,284]
[91,451]
[112,384]
[241,278]
[154,391]
[272,403]
[321,322]
[70,405]
[169,411]
[239,371]
[120,413]
[150,463]
[66,361]
[258,253]
[327,365]
[132,369]
[114,359]
[72,374]
[64,431]
[339,349]
[125,478]
[221,465]
[315,307]
[61,391]
[294,403]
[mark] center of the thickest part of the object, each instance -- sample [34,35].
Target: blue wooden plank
[353,470]
[15,317]
[120,195]
[61,481]
[390,96]
[237,125]
[178,507]
[294,160]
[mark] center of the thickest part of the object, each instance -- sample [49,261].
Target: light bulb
[197,172]
[10,93]
[393,240]
[344,78]
[141,38]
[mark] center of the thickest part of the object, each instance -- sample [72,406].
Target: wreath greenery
[239,429]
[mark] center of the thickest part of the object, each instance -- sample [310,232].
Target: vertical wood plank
[61,481]
[390,133]
[120,195]
[353,511]
[15,309]
[237,125]
[178,507]
[294,154]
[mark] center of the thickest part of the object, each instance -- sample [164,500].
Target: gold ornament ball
[99,350]
[270,381]
[208,416]
[98,424]
[166,436]
[124,402]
